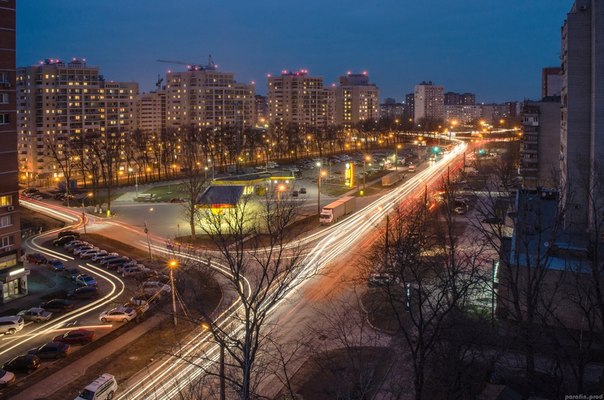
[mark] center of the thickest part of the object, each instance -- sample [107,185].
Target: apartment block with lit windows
[356,100]
[151,112]
[13,275]
[429,101]
[300,99]
[205,97]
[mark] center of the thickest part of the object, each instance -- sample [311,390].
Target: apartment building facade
[356,99]
[429,101]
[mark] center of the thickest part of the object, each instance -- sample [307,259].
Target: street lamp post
[396,148]
[280,189]
[173,264]
[367,158]
[130,170]
[321,175]
[148,241]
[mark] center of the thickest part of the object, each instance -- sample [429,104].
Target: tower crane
[194,66]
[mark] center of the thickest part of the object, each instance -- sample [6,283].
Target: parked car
[74,243]
[57,305]
[80,246]
[35,314]
[11,325]
[177,200]
[56,265]
[51,350]
[114,264]
[6,378]
[302,190]
[71,273]
[107,260]
[381,279]
[79,250]
[134,270]
[62,241]
[78,336]
[119,314]
[68,233]
[102,254]
[36,258]
[84,292]
[89,253]
[153,287]
[102,388]
[85,280]
[27,363]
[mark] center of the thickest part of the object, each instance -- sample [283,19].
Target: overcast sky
[493,48]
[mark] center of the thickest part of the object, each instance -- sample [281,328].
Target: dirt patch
[351,373]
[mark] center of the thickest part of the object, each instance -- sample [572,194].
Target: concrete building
[410,106]
[357,100]
[205,97]
[492,113]
[151,112]
[461,113]
[391,109]
[582,126]
[58,103]
[460,99]
[429,101]
[261,109]
[13,275]
[540,146]
[297,98]
[551,81]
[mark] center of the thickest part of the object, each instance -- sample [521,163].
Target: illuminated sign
[349,176]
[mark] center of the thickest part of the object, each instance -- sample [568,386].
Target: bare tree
[194,182]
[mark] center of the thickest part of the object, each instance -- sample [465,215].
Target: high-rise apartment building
[61,103]
[58,102]
[391,109]
[429,101]
[205,97]
[151,112]
[551,81]
[582,125]
[460,99]
[356,100]
[297,98]
[12,274]
[410,105]
[462,113]
[261,109]
[540,144]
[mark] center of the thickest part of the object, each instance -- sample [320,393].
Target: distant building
[117,114]
[151,112]
[261,110]
[462,113]
[540,146]
[297,98]
[551,81]
[202,96]
[429,101]
[492,113]
[410,106]
[582,126]
[356,100]
[12,273]
[391,109]
[460,99]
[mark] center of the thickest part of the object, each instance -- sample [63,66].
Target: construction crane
[194,66]
[159,82]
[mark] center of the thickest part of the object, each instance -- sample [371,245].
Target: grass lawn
[167,192]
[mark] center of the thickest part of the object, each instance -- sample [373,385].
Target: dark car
[107,260]
[57,305]
[56,265]
[36,258]
[51,350]
[177,200]
[114,264]
[492,220]
[68,233]
[78,336]
[71,273]
[62,241]
[302,190]
[85,292]
[27,363]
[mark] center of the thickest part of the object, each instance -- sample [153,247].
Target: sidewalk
[75,370]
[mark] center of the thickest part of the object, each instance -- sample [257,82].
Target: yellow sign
[349,174]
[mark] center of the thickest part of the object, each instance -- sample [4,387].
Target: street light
[365,160]
[322,173]
[173,264]
[280,189]
[130,169]
[396,148]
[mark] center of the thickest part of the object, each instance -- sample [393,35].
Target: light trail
[337,239]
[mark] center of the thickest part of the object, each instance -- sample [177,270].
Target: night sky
[493,48]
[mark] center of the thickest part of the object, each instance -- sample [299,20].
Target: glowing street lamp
[321,175]
[280,189]
[173,264]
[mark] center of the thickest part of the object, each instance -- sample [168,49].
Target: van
[10,325]
[103,387]
[145,197]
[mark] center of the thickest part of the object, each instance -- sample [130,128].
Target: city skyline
[499,57]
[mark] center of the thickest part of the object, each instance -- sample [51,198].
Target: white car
[134,270]
[151,288]
[6,378]
[35,314]
[119,314]
[102,254]
[89,253]
[85,280]
[81,250]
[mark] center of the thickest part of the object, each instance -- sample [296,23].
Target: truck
[336,210]
[390,179]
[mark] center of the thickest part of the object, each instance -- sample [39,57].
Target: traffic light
[436,149]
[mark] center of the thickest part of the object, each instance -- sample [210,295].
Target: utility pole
[173,264]
[148,241]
